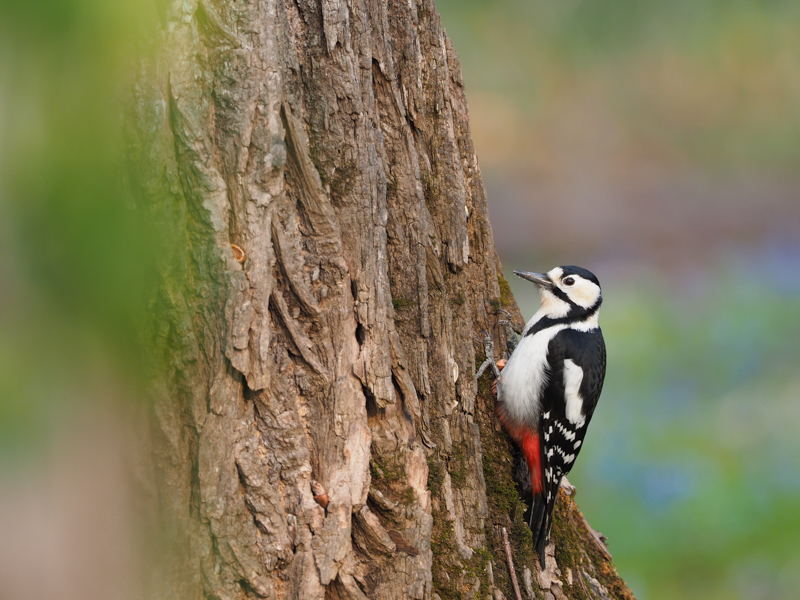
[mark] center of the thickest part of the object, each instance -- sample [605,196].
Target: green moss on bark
[506,296]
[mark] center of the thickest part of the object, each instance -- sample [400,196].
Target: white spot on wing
[573,376]
[568,435]
[568,458]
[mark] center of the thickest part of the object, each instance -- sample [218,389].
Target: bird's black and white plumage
[548,389]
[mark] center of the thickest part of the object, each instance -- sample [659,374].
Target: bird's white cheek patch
[573,376]
[585,294]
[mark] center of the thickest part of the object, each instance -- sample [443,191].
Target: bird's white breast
[524,376]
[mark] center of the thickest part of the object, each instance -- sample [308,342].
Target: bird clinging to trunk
[549,387]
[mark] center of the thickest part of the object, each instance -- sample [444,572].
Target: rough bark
[317,429]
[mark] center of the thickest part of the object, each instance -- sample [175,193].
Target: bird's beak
[543,281]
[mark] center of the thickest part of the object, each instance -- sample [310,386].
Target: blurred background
[73,263]
[658,145]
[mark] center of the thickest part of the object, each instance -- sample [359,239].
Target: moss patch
[400,302]
[458,466]
[446,569]
[505,290]
[430,191]
[389,477]
[391,184]
[458,300]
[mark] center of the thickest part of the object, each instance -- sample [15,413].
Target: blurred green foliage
[75,256]
[702,80]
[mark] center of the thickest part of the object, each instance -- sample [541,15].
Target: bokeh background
[74,259]
[658,145]
[655,143]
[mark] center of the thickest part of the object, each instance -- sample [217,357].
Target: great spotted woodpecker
[549,387]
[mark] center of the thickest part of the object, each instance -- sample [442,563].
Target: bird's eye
[569,281]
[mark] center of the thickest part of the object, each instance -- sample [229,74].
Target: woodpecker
[549,387]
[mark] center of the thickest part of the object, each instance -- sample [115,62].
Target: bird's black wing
[587,349]
[561,438]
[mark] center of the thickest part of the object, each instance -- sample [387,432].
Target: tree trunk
[317,428]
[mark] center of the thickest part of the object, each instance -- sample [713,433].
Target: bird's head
[566,290]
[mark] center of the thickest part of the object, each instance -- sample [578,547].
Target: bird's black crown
[580,272]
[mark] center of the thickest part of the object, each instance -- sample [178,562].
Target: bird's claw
[510,330]
[509,321]
[488,348]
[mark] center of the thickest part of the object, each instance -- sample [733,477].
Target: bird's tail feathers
[541,518]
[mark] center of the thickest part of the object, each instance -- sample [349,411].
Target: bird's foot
[511,329]
[488,350]
[488,346]
[510,322]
